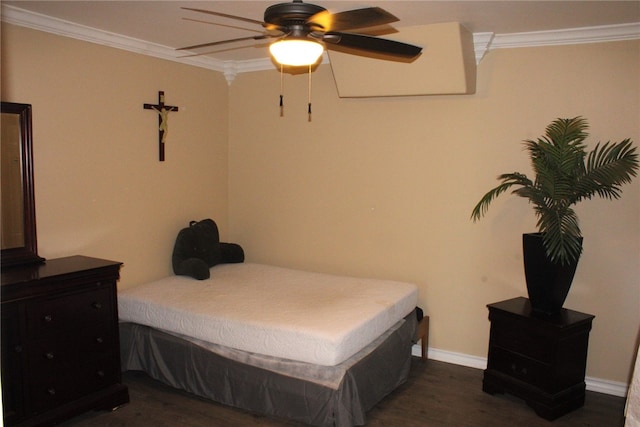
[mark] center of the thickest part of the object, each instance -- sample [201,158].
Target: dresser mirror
[18,235]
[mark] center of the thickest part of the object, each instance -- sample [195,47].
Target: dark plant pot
[548,283]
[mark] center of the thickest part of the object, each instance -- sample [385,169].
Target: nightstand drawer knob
[49,355]
[99,340]
[100,374]
[17,349]
[48,318]
[51,391]
[97,305]
[521,371]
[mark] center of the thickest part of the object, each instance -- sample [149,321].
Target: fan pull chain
[309,105]
[281,90]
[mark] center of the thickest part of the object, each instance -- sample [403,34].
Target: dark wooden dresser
[539,359]
[60,341]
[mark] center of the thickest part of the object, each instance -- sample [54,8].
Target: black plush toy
[198,248]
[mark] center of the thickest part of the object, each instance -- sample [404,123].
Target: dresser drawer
[73,312]
[90,375]
[49,357]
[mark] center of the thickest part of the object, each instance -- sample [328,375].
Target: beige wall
[371,187]
[100,189]
[385,187]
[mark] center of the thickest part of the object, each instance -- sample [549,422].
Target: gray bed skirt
[301,393]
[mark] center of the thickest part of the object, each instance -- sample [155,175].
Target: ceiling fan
[303,31]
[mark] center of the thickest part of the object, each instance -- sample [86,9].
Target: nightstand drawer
[519,367]
[527,342]
[70,312]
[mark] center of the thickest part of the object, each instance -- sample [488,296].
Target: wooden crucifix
[163,120]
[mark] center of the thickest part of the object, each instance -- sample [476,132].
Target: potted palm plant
[565,174]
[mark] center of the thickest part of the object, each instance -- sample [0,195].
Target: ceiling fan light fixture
[296,52]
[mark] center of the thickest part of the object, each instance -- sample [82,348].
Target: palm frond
[564,175]
[568,131]
[508,180]
[561,234]
[608,167]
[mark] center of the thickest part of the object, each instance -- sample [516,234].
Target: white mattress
[308,317]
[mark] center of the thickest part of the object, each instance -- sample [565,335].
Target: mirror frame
[27,254]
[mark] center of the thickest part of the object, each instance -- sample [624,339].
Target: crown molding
[37,21]
[483,42]
[607,33]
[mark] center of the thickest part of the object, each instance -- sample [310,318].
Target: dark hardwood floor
[436,394]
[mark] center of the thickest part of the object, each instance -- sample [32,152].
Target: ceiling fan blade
[222,25]
[351,19]
[197,46]
[224,15]
[371,44]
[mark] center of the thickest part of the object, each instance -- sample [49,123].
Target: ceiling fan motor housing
[287,14]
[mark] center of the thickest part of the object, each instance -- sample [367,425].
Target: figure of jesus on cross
[163,120]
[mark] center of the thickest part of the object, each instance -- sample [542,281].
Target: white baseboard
[613,388]
[451,357]
[597,385]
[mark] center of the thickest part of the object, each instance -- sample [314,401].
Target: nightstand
[539,359]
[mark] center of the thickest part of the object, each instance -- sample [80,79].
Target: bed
[316,348]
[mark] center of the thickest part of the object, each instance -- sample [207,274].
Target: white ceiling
[164,25]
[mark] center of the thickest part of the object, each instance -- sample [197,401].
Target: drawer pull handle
[48,318]
[51,391]
[49,355]
[521,371]
[100,374]
[99,340]
[97,305]
[17,349]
